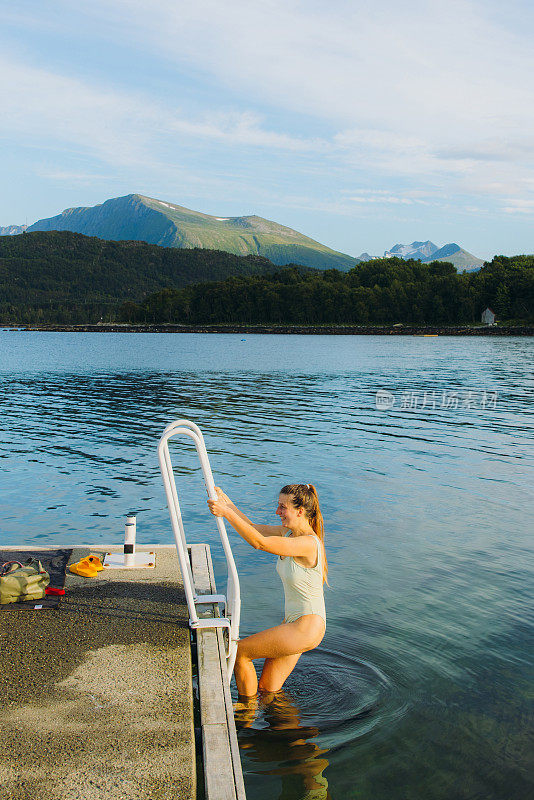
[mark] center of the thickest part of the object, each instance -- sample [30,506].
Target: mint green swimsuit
[303,586]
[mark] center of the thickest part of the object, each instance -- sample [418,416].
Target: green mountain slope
[135,217]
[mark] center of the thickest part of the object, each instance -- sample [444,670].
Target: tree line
[381,292]
[65,277]
[61,276]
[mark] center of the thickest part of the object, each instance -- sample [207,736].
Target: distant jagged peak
[421,249]
[428,243]
[448,250]
[12,230]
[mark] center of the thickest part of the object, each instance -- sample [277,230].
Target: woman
[299,544]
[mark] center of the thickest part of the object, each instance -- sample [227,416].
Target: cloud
[383,197]
[430,97]
[244,129]
[70,176]
[519,206]
[519,150]
[118,126]
[54,110]
[366,204]
[435,92]
[385,66]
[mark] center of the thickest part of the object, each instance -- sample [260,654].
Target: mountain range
[136,217]
[428,251]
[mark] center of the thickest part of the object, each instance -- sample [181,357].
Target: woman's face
[289,515]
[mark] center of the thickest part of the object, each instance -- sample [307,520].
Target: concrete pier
[223,777]
[96,696]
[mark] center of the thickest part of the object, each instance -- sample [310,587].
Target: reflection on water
[283,740]
[422,685]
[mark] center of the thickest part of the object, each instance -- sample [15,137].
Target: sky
[361,124]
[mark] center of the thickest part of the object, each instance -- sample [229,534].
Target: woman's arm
[278,545]
[266,530]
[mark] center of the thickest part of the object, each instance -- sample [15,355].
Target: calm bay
[422,687]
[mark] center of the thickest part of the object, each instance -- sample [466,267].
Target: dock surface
[95,696]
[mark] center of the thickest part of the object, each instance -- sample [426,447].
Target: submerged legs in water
[288,741]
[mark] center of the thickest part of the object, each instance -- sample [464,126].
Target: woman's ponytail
[304,495]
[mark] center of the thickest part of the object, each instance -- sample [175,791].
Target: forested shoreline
[378,292]
[62,278]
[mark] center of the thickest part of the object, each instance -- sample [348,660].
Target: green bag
[20,582]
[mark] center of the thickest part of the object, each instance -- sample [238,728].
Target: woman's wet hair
[304,495]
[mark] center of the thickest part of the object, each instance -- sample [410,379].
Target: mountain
[421,250]
[12,230]
[428,251]
[461,259]
[135,217]
[140,218]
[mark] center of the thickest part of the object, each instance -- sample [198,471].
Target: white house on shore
[488,316]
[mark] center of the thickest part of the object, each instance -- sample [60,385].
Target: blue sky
[361,124]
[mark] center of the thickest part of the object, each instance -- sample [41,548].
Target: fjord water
[421,687]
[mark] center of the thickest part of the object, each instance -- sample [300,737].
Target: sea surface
[422,687]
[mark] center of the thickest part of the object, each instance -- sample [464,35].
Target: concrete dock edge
[220,749]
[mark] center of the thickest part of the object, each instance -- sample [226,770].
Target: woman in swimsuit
[299,544]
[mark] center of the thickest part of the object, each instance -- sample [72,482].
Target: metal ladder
[232,600]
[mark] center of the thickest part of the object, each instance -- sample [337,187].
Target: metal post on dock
[129,559]
[129,541]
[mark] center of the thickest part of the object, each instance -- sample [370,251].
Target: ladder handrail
[233,599]
[232,576]
[171,430]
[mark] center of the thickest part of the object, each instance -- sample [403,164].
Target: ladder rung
[215,622]
[212,622]
[210,598]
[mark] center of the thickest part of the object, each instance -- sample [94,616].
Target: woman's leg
[288,639]
[275,671]
[245,674]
